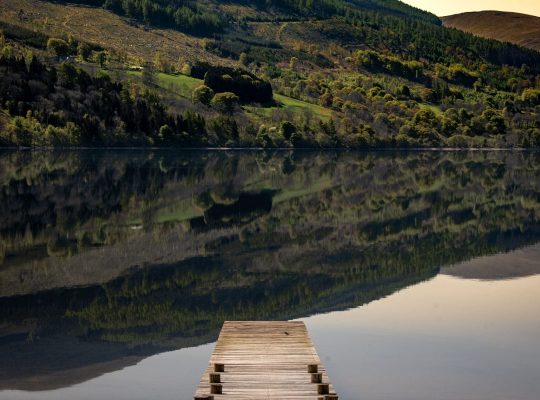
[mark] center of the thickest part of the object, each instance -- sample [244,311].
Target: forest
[317,74]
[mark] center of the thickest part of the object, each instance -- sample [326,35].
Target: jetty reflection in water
[111,258]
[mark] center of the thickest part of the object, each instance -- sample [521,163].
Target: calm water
[418,274]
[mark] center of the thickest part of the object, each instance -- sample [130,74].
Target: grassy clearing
[302,106]
[292,105]
[316,187]
[173,214]
[183,86]
[431,107]
[180,85]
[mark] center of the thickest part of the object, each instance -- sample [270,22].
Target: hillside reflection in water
[114,265]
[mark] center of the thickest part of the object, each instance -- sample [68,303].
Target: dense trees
[329,8]
[66,106]
[240,82]
[379,24]
[189,16]
[375,61]
[381,74]
[184,15]
[58,46]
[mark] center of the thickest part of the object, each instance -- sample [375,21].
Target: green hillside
[210,16]
[288,73]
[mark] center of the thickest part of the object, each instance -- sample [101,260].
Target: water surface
[416,273]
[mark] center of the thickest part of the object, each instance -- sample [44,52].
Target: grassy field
[179,213]
[301,106]
[292,105]
[183,86]
[315,187]
[435,109]
[180,84]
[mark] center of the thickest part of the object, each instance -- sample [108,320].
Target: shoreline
[307,149]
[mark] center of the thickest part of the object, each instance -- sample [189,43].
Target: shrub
[58,46]
[426,117]
[531,97]
[84,51]
[287,129]
[263,138]
[166,133]
[405,91]
[246,86]
[491,121]
[225,127]
[243,59]
[225,102]
[202,94]
[494,122]
[66,136]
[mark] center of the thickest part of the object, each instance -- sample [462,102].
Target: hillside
[521,29]
[283,73]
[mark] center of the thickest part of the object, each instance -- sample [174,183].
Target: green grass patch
[293,105]
[180,84]
[431,107]
[173,214]
[302,106]
[293,193]
[183,85]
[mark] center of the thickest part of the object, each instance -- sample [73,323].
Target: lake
[417,273]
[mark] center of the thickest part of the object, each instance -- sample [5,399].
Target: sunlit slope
[521,29]
[108,30]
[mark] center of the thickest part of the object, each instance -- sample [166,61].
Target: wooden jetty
[265,360]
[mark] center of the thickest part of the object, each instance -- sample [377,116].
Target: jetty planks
[261,360]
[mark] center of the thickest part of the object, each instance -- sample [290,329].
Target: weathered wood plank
[262,360]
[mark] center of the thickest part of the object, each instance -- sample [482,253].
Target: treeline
[189,16]
[379,24]
[23,35]
[65,106]
[244,84]
[332,8]
[184,15]
[416,40]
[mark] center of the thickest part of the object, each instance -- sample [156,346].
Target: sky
[448,7]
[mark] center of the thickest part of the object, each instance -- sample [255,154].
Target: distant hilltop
[521,29]
[515,264]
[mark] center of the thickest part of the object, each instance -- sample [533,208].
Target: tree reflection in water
[108,257]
